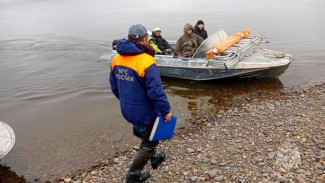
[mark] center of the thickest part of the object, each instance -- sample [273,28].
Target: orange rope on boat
[227,43]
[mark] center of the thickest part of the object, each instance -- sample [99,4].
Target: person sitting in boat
[161,42]
[187,45]
[152,43]
[199,29]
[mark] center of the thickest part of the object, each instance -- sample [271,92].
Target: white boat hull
[261,64]
[7,139]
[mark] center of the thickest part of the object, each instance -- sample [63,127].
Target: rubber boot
[157,159]
[133,177]
[140,160]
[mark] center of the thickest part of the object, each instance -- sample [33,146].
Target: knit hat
[200,22]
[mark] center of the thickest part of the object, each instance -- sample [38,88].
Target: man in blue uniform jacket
[136,82]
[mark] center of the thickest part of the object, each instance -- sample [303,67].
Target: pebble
[261,163]
[265,181]
[93,173]
[279,124]
[223,163]
[67,179]
[83,175]
[189,150]
[205,160]
[318,158]
[87,178]
[271,107]
[319,171]
[213,162]
[282,179]
[194,178]
[124,158]
[277,104]
[300,180]
[268,170]
[219,178]
[271,155]
[213,173]
[282,170]
[322,153]
[116,160]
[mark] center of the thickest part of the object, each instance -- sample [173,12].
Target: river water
[54,88]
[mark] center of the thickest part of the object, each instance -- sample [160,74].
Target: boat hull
[213,73]
[7,139]
[262,63]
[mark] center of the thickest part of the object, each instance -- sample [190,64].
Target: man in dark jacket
[161,42]
[187,45]
[136,82]
[199,29]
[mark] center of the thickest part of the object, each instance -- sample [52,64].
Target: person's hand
[168,117]
[168,50]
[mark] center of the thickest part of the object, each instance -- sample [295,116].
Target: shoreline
[278,137]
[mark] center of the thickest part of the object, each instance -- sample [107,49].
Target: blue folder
[163,130]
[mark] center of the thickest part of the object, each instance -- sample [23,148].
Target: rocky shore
[262,138]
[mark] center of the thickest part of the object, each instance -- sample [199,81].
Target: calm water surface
[54,88]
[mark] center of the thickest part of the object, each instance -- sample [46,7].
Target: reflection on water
[220,90]
[203,95]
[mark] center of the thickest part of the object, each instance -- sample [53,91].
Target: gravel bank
[261,138]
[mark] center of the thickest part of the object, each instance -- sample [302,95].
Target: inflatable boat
[7,139]
[223,56]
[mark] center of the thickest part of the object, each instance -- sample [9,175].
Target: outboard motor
[114,43]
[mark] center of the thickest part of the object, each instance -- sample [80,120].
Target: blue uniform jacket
[136,82]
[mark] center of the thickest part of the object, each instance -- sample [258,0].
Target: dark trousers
[146,144]
[146,151]
[166,53]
